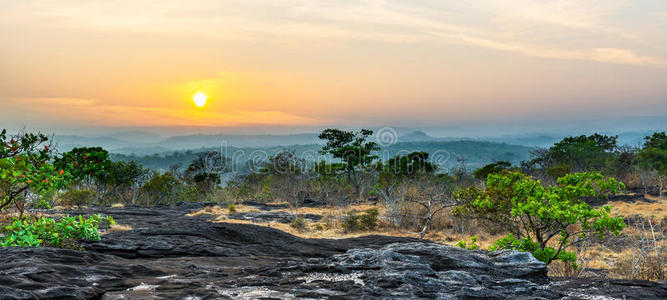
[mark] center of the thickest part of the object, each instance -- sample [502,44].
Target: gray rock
[171,256]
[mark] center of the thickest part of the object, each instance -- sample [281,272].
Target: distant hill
[146,143]
[198,141]
[417,136]
[474,153]
[142,137]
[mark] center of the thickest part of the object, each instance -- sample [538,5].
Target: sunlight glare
[200,99]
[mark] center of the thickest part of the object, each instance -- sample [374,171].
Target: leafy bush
[369,219]
[357,222]
[491,168]
[231,208]
[77,197]
[83,164]
[545,254]
[163,189]
[472,245]
[25,168]
[537,214]
[350,222]
[65,233]
[558,171]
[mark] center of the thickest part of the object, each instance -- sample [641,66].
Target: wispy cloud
[98,113]
[563,29]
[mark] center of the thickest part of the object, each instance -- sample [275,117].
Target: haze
[306,64]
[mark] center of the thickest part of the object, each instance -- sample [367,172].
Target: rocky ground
[168,255]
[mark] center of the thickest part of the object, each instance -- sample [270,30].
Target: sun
[200,99]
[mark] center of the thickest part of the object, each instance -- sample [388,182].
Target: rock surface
[272,216]
[168,255]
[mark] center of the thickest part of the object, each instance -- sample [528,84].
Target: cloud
[97,113]
[564,29]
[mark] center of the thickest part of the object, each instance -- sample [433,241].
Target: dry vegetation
[638,252]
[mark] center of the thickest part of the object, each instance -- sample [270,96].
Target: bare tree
[434,196]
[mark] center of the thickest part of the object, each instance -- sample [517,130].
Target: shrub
[369,219]
[545,254]
[350,222]
[472,245]
[25,169]
[64,233]
[537,214]
[558,171]
[231,208]
[357,222]
[496,167]
[299,223]
[163,189]
[78,197]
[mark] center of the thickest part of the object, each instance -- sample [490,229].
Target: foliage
[231,208]
[657,140]
[580,153]
[204,171]
[352,148]
[284,163]
[525,244]
[163,189]
[77,197]
[410,165]
[324,169]
[653,157]
[122,174]
[53,233]
[472,245]
[84,164]
[538,214]
[25,168]
[558,171]
[353,222]
[491,168]
[368,220]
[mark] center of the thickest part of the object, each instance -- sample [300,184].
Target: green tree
[163,189]
[204,171]
[352,148]
[541,217]
[84,164]
[410,165]
[120,178]
[25,168]
[491,168]
[579,153]
[653,157]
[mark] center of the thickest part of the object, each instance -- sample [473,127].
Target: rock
[265,206]
[171,256]
[273,216]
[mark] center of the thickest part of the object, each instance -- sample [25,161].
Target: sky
[305,63]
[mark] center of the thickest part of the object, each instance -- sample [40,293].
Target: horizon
[294,66]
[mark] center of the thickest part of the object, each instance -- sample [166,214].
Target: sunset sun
[199,99]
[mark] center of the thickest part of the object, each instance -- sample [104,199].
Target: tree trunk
[422,234]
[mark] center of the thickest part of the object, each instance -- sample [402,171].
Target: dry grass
[595,259]
[116,228]
[656,212]
[117,205]
[223,211]
[329,227]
